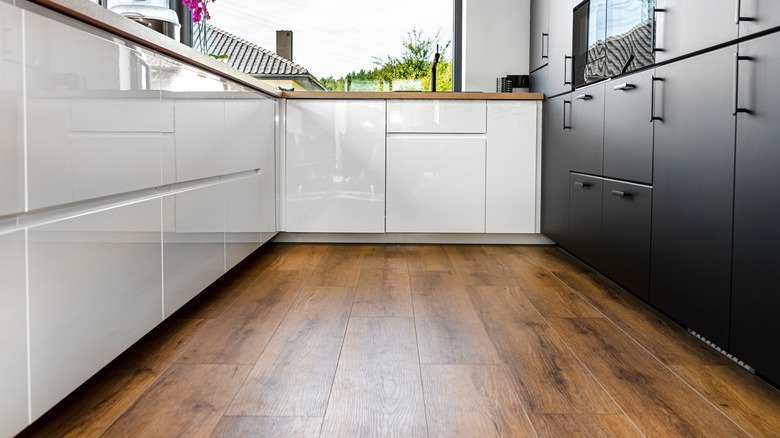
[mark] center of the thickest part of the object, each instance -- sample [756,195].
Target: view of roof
[245,56]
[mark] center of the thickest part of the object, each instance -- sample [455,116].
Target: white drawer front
[436,116]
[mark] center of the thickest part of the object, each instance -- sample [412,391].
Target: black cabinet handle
[566,70]
[624,87]
[620,194]
[653,47]
[735,85]
[738,15]
[545,46]
[566,102]
[582,184]
[584,97]
[653,117]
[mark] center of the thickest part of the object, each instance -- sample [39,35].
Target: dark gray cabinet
[628,128]
[585,195]
[540,41]
[559,62]
[538,81]
[757,15]
[755,298]
[693,177]
[555,169]
[685,26]
[625,235]
[587,130]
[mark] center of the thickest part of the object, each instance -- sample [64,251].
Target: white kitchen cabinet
[11,148]
[13,334]
[249,129]
[335,166]
[436,183]
[95,288]
[511,185]
[245,227]
[436,116]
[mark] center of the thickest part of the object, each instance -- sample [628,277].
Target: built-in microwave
[610,38]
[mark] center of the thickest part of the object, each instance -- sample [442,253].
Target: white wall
[496,40]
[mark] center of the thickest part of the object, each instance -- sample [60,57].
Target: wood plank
[392,257]
[242,332]
[268,427]
[175,406]
[428,258]
[564,425]
[339,266]
[743,397]
[377,390]
[472,401]
[448,327]
[554,259]
[293,376]
[667,341]
[298,257]
[547,377]
[92,408]
[383,294]
[476,267]
[652,396]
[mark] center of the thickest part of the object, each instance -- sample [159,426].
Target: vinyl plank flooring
[428,258]
[242,332]
[448,327]
[547,377]
[293,376]
[268,427]
[390,257]
[472,401]
[383,293]
[339,266]
[174,406]
[578,425]
[652,396]
[554,258]
[297,257]
[476,267]
[377,390]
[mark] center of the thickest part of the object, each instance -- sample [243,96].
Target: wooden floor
[416,340]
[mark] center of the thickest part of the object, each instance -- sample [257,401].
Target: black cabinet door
[585,196]
[555,169]
[628,128]
[587,130]
[755,326]
[685,26]
[625,235]
[757,15]
[540,40]
[559,65]
[693,177]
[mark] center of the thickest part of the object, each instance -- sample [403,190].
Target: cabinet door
[685,26]
[435,183]
[13,333]
[755,295]
[628,129]
[540,11]
[538,80]
[587,130]
[559,73]
[757,15]
[555,169]
[585,193]
[12,146]
[625,236]
[693,178]
[335,166]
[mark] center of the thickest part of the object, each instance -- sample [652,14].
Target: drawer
[437,116]
[585,194]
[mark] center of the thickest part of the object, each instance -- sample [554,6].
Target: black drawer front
[585,193]
[587,130]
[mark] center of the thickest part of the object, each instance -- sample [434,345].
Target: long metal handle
[653,47]
[584,97]
[653,117]
[735,85]
[624,87]
[621,194]
[738,15]
[582,184]
[547,46]
[566,102]
[566,70]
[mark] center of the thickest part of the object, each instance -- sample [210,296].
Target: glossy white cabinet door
[200,131]
[436,116]
[194,243]
[511,168]
[13,333]
[249,128]
[11,147]
[435,183]
[335,166]
[244,228]
[95,289]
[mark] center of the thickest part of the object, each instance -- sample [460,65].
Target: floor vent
[722,351]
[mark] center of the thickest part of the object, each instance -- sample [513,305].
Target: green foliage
[413,64]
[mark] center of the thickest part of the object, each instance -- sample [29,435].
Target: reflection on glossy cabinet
[245,227]
[95,289]
[11,148]
[682,26]
[435,183]
[511,184]
[249,129]
[200,131]
[335,166]
[436,116]
[193,243]
[13,334]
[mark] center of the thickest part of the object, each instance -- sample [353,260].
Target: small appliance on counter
[153,14]
[512,84]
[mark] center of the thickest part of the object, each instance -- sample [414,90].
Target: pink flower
[199,9]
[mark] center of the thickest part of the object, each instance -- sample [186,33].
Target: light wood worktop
[426,95]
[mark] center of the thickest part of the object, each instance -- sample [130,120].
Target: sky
[334,37]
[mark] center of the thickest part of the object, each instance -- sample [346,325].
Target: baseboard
[436,238]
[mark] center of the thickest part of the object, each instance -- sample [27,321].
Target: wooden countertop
[410,95]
